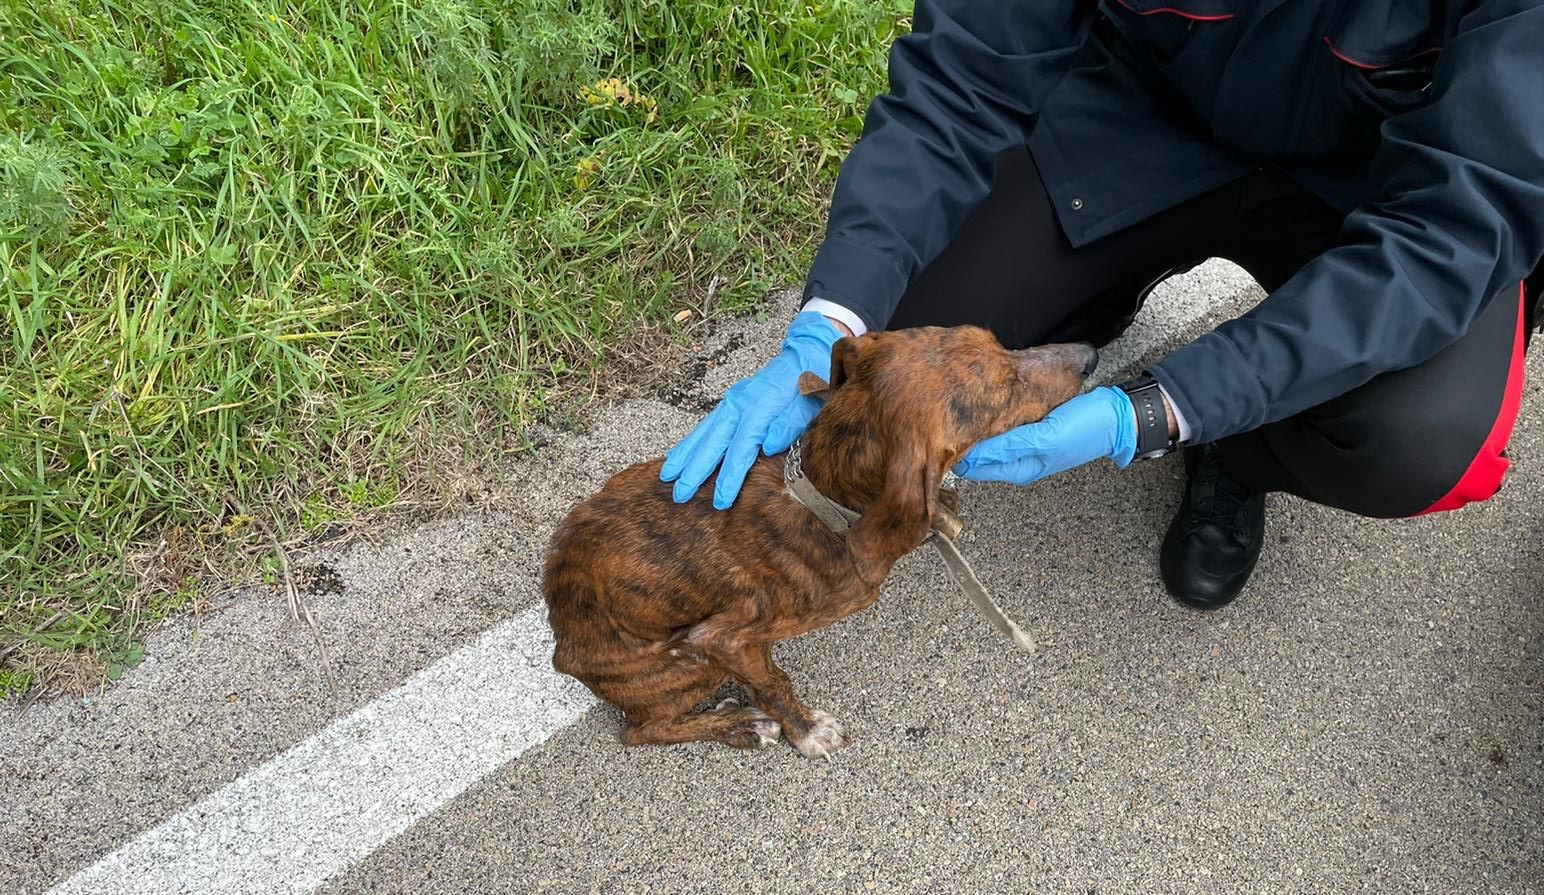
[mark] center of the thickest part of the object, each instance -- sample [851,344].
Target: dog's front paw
[756,730]
[760,733]
[823,737]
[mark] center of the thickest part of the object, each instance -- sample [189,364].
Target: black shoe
[1215,538]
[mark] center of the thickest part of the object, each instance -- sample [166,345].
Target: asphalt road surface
[1368,717]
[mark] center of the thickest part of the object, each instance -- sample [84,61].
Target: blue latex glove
[1099,423]
[762,412]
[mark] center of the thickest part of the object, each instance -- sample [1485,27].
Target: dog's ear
[844,361]
[900,519]
[844,357]
[810,384]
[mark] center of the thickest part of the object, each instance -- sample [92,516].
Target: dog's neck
[842,453]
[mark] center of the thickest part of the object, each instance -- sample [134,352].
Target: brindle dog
[655,605]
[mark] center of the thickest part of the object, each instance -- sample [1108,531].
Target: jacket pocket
[1387,51]
[1162,31]
[1194,10]
[1389,89]
[1373,34]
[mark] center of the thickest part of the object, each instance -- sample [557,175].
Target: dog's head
[913,401]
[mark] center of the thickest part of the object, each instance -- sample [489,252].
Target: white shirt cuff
[1179,418]
[837,312]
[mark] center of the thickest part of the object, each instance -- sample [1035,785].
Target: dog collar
[836,517]
[839,519]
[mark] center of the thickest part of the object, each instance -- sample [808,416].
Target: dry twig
[298,608]
[714,285]
[14,645]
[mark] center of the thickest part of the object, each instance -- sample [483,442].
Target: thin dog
[655,605]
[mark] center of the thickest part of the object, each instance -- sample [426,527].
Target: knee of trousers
[1424,440]
[1387,467]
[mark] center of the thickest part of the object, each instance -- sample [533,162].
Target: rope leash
[839,519]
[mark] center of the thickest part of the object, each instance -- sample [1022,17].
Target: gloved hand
[763,411]
[1099,423]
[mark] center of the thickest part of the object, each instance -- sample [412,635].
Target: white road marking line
[314,810]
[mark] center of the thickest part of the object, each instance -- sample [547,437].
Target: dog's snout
[1090,356]
[1060,359]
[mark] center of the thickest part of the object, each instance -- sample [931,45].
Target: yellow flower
[585,173]
[613,92]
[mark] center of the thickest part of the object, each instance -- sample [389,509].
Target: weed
[363,494]
[271,570]
[316,512]
[249,247]
[14,683]
[177,598]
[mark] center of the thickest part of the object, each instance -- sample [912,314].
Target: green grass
[265,253]
[14,683]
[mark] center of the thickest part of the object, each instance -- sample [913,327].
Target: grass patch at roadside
[298,256]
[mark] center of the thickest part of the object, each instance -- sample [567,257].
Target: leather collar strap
[839,519]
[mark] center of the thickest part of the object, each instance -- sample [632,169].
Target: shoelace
[1217,499]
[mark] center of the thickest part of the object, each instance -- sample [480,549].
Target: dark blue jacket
[1444,185]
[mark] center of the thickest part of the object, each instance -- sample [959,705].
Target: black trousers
[1428,438]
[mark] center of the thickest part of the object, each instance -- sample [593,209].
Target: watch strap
[1152,417]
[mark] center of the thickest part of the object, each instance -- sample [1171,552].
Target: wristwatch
[1153,439]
